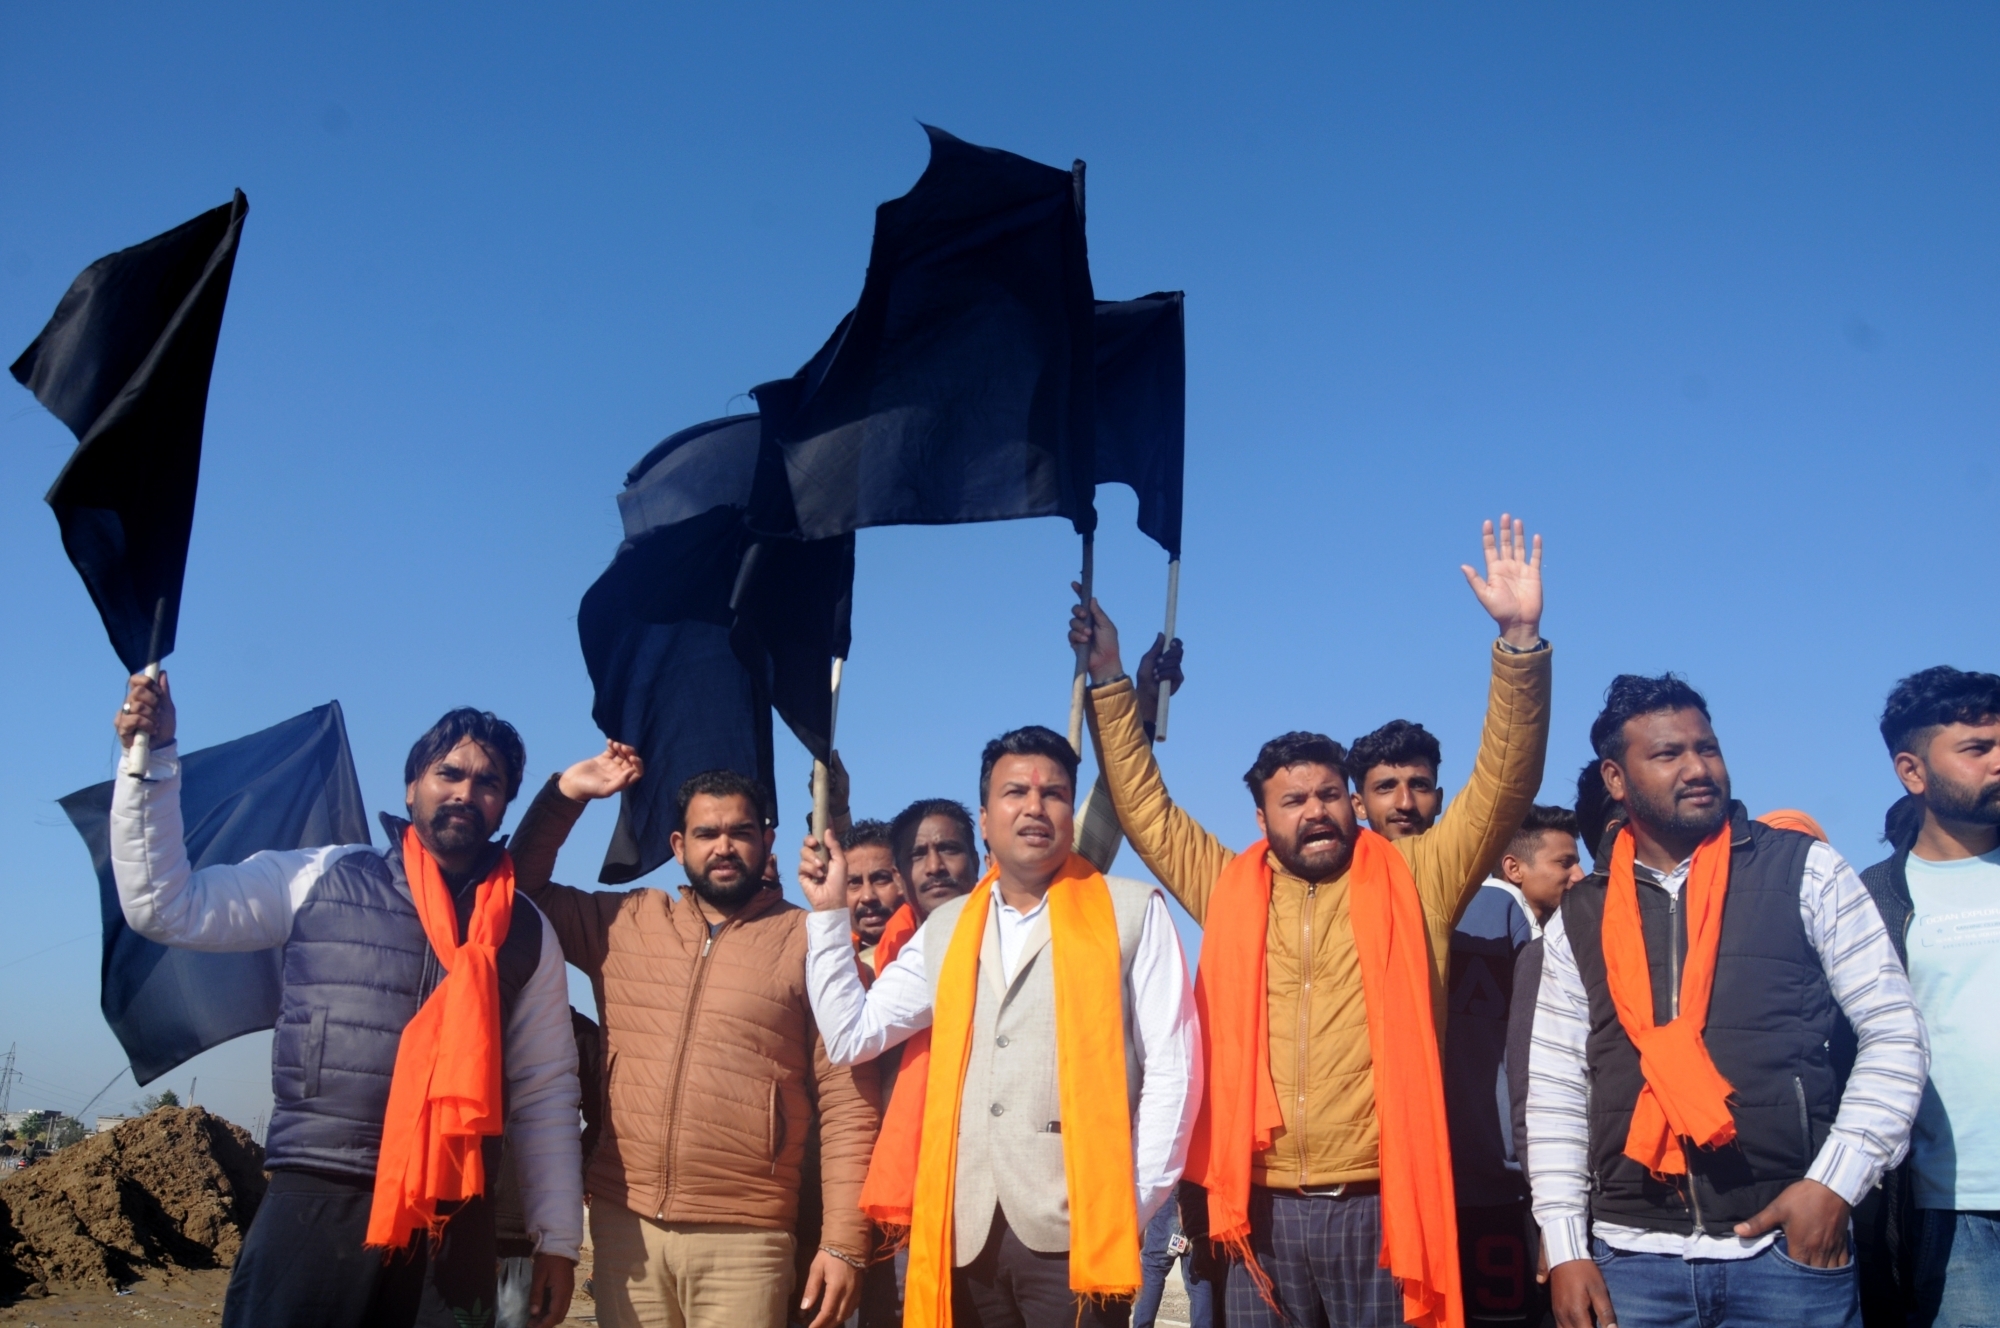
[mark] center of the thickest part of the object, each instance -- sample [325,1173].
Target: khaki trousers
[687,1274]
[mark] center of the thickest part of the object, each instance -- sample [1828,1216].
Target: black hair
[1630,696]
[1925,702]
[903,830]
[496,735]
[1033,740]
[1399,742]
[1594,807]
[1289,749]
[724,784]
[1540,818]
[868,834]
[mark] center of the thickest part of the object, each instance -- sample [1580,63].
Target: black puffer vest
[1770,1019]
[357,967]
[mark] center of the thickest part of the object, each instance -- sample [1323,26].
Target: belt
[1352,1189]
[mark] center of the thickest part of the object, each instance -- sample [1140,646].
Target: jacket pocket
[1805,1121]
[314,1050]
[774,1126]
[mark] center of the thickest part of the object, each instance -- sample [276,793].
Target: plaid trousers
[1323,1255]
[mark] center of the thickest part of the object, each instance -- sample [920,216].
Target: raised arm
[247,906]
[1183,856]
[1454,857]
[581,918]
[856,1023]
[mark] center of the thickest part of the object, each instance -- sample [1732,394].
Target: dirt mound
[173,1189]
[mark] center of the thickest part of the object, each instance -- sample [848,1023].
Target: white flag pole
[1081,678]
[140,754]
[1173,605]
[823,777]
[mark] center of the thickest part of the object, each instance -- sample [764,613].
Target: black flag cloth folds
[698,627]
[290,786]
[125,364]
[1142,407]
[960,387]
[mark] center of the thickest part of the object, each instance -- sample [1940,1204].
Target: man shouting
[425,1010]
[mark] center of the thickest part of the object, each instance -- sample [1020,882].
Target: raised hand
[1511,590]
[613,770]
[1090,624]
[823,873]
[148,708]
[1159,668]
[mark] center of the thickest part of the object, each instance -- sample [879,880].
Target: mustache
[873,908]
[451,812]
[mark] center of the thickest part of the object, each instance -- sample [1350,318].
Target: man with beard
[417,984]
[1939,893]
[1323,1143]
[874,887]
[1692,1149]
[1395,774]
[714,1071]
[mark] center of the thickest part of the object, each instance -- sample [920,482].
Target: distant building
[105,1123]
[14,1120]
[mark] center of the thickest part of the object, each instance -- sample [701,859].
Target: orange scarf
[1090,1076]
[891,1185]
[444,1097]
[1240,1109]
[1685,1096]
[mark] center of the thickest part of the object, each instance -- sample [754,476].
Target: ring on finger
[125,709]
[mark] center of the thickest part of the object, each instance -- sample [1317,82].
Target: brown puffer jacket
[713,1068]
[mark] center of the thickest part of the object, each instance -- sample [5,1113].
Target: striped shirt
[1870,1134]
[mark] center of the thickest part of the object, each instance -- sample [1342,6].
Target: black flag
[290,786]
[960,387]
[125,364]
[655,632]
[1142,407]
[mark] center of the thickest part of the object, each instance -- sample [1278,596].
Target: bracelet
[1509,648]
[1116,677]
[848,1259]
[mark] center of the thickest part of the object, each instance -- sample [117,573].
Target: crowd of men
[1429,1071]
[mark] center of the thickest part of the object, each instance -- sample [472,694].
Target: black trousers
[303,1264]
[1012,1286]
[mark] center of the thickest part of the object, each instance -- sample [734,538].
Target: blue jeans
[1156,1263]
[1958,1269]
[1767,1290]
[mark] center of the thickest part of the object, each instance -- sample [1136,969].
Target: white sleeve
[1559,1102]
[860,1023]
[247,906]
[1169,1059]
[1871,1133]
[544,1124]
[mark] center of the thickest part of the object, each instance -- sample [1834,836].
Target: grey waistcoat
[1010,1143]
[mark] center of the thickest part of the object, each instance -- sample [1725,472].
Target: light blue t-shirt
[1954,945]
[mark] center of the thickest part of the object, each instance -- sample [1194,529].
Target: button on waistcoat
[1770,1020]
[357,967]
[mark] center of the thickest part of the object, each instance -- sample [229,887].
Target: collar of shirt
[1014,927]
[1671,882]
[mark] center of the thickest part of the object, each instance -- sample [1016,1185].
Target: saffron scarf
[1240,1110]
[1090,1076]
[1684,1096]
[444,1096]
[891,1185]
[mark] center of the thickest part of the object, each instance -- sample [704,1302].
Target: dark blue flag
[960,388]
[291,786]
[698,628]
[1142,407]
[125,363]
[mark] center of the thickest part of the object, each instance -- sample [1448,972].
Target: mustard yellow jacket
[1320,1062]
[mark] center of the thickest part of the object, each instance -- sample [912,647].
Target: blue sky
[1710,295]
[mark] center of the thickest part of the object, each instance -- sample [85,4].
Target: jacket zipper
[1674,924]
[670,1173]
[1305,1007]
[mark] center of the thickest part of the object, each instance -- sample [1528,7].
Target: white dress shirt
[859,1024]
[1870,1134]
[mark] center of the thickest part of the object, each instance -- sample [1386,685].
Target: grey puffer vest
[357,967]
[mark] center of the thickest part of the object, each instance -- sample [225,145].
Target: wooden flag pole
[1173,605]
[1082,655]
[822,776]
[140,754]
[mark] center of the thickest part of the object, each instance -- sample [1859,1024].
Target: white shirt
[858,1024]
[1870,1134]
[249,906]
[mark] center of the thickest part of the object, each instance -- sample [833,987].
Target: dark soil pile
[173,1189]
